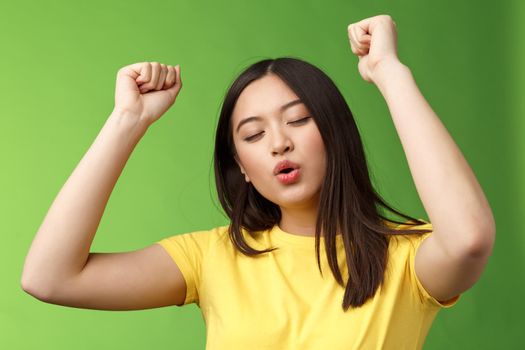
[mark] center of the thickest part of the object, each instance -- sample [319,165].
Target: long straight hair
[348,202]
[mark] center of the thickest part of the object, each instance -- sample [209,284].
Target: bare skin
[59,267]
[451,260]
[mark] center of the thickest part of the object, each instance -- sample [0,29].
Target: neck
[299,221]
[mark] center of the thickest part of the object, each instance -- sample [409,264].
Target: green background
[59,61]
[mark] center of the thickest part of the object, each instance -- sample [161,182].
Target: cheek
[316,147]
[241,153]
[318,143]
[315,143]
[249,161]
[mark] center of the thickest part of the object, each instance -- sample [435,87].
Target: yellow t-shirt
[279,300]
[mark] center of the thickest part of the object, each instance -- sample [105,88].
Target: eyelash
[299,121]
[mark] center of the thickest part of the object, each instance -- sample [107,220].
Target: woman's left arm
[453,257]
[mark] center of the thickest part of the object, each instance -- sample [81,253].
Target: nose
[281,143]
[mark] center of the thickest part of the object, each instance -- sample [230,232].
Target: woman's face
[266,132]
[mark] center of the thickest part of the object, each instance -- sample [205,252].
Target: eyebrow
[257,118]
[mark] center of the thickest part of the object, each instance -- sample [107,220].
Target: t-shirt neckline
[297,240]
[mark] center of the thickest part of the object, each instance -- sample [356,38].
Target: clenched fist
[146,90]
[374,41]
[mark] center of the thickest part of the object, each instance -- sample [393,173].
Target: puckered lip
[284,164]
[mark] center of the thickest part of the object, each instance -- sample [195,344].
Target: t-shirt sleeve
[423,294]
[188,251]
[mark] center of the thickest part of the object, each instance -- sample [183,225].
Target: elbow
[40,292]
[482,243]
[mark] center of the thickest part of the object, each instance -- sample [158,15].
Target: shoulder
[403,254]
[410,238]
[201,239]
[205,233]
[403,247]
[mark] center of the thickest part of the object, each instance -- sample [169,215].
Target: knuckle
[123,69]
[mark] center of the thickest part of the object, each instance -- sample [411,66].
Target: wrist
[129,119]
[387,70]
[128,123]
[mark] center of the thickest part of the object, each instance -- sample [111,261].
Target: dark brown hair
[348,202]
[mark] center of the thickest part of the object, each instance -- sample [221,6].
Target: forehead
[262,97]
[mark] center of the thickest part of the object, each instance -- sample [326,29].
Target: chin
[293,197]
[295,203]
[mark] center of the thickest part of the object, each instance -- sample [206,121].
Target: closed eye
[300,121]
[253,137]
[295,122]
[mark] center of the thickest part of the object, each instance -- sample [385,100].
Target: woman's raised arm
[59,267]
[452,259]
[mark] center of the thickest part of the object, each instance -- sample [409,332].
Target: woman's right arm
[59,267]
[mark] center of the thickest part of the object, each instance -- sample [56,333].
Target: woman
[292,176]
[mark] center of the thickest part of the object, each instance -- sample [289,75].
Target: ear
[242,168]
